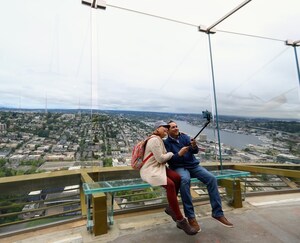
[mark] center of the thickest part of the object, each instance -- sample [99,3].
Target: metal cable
[254,36]
[152,15]
[190,24]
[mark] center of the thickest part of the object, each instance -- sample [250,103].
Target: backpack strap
[148,157]
[151,154]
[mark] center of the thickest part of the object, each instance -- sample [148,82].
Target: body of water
[229,138]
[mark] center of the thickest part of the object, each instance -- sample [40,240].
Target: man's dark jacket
[174,145]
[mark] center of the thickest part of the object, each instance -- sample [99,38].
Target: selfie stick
[206,114]
[205,125]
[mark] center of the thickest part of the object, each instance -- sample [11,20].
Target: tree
[2,162]
[43,133]
[96,140]
[107,162]
[247,150]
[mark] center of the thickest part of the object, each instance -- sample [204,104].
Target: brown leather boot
[184,225]
[193,222]
[222,220]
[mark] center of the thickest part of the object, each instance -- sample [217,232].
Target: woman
[155,172]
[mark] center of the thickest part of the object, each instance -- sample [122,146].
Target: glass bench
[113,186]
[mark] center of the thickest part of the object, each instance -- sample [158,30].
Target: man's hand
[193,143]
[183,150]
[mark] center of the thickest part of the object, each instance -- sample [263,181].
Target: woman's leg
[172,187]
[175,177]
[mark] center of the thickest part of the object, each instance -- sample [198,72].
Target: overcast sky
[62,54]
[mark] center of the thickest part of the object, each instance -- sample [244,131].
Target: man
[188,167]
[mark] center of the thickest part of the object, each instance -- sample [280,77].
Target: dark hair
[170,121]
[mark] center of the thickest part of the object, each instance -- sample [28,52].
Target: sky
[144,55]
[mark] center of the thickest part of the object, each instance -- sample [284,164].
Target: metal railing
[57,201]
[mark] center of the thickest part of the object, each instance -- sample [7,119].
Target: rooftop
[269,218]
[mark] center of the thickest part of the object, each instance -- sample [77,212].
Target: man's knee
[185,180]
[213,180]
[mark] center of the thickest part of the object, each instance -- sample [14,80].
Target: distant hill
[155,115]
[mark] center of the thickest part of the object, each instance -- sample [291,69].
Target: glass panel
[257,96]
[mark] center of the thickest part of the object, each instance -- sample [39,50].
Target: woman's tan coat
[154,170]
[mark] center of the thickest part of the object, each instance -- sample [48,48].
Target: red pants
[172,188]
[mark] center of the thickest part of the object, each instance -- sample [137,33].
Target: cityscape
[83,82]
[36,141]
